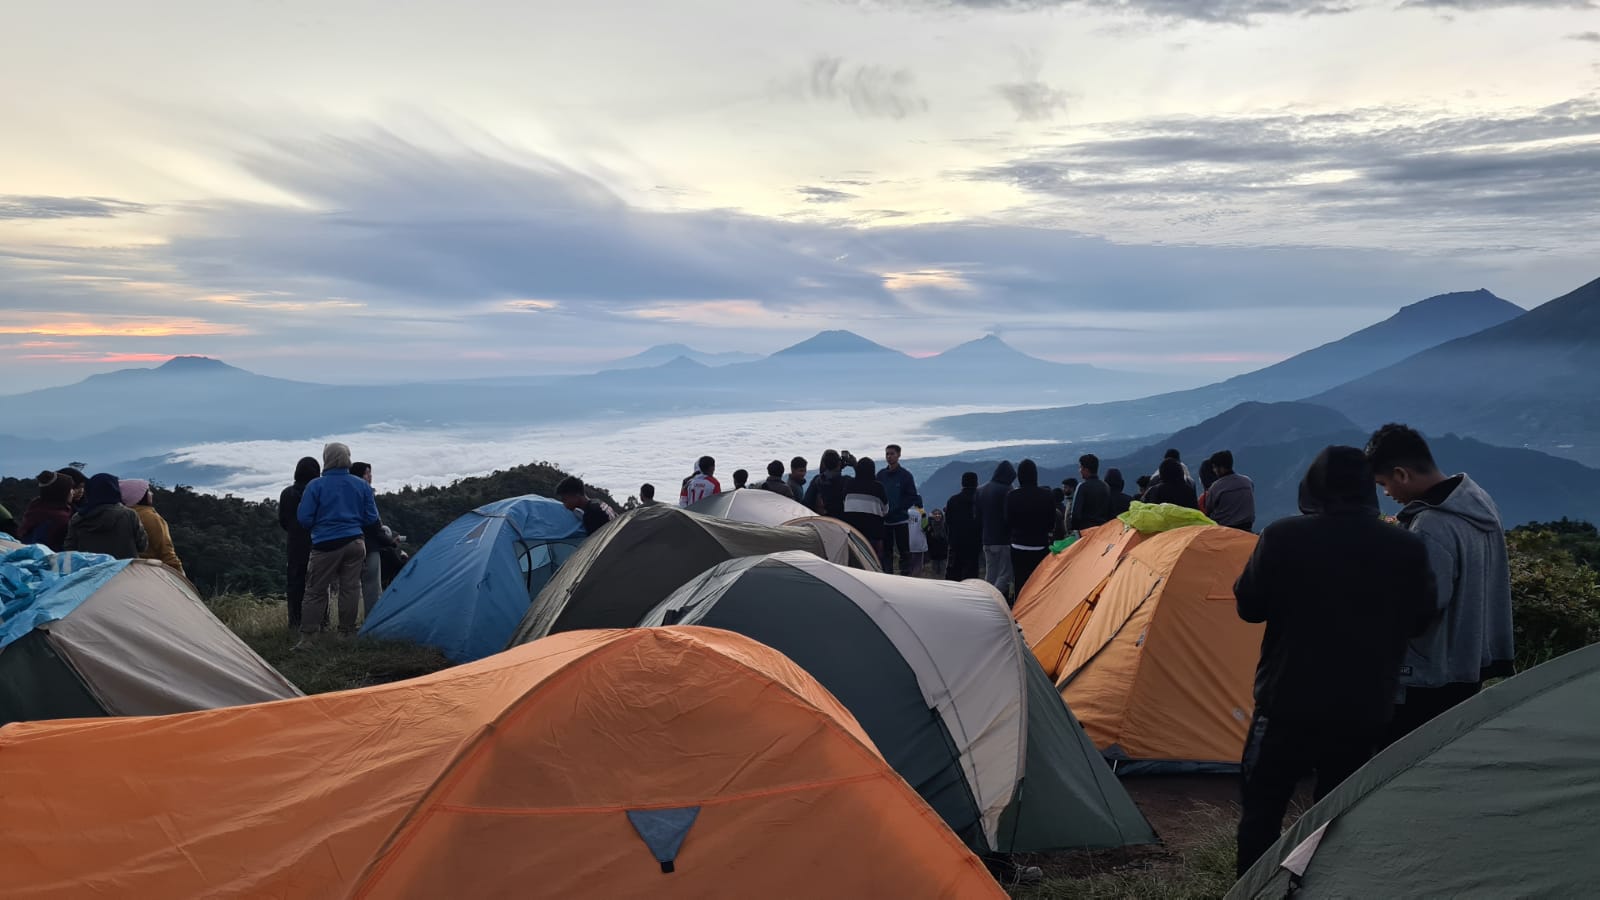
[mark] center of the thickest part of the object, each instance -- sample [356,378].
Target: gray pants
[371,583]
[334,571]
[997,566]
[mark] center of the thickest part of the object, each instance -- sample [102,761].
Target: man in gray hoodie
[996,532]
[1470,638]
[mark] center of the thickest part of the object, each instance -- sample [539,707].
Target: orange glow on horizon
[120,326]
[97,357]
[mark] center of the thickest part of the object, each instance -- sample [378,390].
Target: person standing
[1118,499]
[1172,487]
[917,528]
[1030,511]
[336,508]
[938,544]
[702,484]
[775,483]
[964,530]
[899,488]
[647,495]
[47,516]
[574,495]
[1340,592]
[1470,637]
[825,494]
[865,504]
[305,471]
[797,477]
[137,496]
[379,540]
[1091,502]
[1231,499]
[103,525]
[996,533]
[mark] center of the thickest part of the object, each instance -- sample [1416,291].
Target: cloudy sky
[376,190]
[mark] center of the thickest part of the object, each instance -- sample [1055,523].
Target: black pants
[1023,562]
[964,562]
[1276,756]
[1423,704]
[299,559]
[896,539]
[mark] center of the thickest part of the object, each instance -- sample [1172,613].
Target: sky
[365,191]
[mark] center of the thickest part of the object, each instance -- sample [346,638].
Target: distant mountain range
[664,354]
[1414,328]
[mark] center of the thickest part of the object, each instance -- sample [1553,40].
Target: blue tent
[465,592]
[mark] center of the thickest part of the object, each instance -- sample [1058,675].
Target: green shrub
[1556,599]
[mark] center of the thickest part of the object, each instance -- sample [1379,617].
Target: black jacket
[1091,505]
[1341,592]
[1030,514]
[288,506]
[1178,493]
[961,521]
[777,486]
[992,506]
[1119,503]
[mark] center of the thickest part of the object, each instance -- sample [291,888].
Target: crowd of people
[103,514]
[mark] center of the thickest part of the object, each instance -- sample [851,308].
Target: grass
[335,665]
[1200,870]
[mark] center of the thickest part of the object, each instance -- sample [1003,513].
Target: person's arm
[1442,565]
[1424,596]
[1075,510]
[71,542]
[141,538]
[286,516]
[369,508]
[1253,592]
[307,513]
[168,553]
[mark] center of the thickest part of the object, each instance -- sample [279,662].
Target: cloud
[1033,101]
[871,91]
[1479,5]
[17,206]
[813,194]
[73,325]
[1395,172]
[1230,12]
[1592,37]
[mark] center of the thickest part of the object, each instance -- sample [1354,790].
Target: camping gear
[116,638]
[640,559]
[470,585]
[681,762]
[843,542]
[1154,518]
[938,675]
[754,506]
[1494,798]
[1141,634]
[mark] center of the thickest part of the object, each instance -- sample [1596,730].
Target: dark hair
[1114,480]
[775,469]
[1143,481]
[1171,471]
[1028,473]
[647,491]
[1397,446]
[740,477]
[969,479]
[1068,482]
[570,486]
[306,469]
[866,469]
[1059,494]
[1222,460]
[359,469]
[831,461]
[54,487]
[799,462]
[78,478]
[1090,463]
[1172,453]
[894,447]
[706,465]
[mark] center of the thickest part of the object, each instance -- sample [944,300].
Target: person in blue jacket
[899,488]
[336,508]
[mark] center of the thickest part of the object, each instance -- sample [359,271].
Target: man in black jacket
[1120,501]
[299,538]
[1030,513]
[1341,592]
[1091,502]
[996,534]
[964,529]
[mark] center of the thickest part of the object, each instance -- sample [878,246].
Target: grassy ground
[1195,861]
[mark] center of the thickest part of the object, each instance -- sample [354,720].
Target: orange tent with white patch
[1144,641]
[659,762]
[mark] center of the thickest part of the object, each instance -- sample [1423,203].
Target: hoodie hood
[1028,474]
[1114,480]
[1467,501]
[1339,481]
[866,470]
[335,456]
[1171,471]
[306,470]
[133,490]
[102,490]
[1004,473]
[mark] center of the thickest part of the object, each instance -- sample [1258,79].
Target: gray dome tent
[939,676]
[1499,797]
[640,559]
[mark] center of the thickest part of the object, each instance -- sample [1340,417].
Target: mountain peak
[188,365]
[682,362]
[834,342]
[990,345]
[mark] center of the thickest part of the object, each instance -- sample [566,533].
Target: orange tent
[675,762]
[1146,644]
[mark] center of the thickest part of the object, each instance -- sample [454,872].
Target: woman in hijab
[137,496]
[103,525]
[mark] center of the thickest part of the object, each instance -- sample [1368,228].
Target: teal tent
[1499,797]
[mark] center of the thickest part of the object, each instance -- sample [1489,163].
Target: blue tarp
[38,587]
[465,592]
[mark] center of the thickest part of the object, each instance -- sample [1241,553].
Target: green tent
[1499,797]
[939,676]
[637,561]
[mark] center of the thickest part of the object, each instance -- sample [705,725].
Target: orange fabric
[1164,668]
[506,777]
[1057,600]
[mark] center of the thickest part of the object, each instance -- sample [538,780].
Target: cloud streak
[1241,12]
[18,206]
[870,91]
